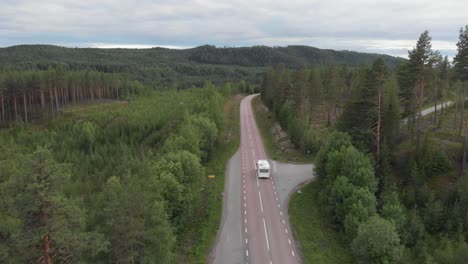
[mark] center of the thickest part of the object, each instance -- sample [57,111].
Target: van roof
[263,164]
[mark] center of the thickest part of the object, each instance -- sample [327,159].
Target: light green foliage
[377,242]
[131,184]
[452,251]
[334,141]
[391,209]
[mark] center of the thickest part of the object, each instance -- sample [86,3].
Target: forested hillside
[114,183]
[395,188]
[179,68]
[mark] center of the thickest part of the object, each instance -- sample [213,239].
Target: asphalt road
[255,226]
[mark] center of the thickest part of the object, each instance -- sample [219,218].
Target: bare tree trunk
[42,99]
[51,97]
[56,99]
[16,108]
[25,107]
[462,109]
[3,108]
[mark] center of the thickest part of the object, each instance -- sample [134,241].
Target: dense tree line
[182,69]
[381,199]
[117,184]
[297,95]
[292,56]
[29,95]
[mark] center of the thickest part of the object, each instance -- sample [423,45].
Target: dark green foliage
[161,67]
[452,252]
[461,59]
[119,182]
[44,217]
[377,241]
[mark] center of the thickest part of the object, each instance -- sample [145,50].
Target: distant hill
[161,66]
[292,56]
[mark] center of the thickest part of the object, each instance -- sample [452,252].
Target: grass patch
[316,238]
[265,120]
[201,235]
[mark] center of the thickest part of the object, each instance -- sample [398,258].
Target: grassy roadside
[199,242]
[265,120]
[316,239]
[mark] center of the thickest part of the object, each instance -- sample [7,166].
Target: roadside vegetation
[394,191]
[316,238]
[118,182]
[201,235]
[277,142]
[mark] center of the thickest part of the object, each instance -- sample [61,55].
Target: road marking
[246,230]
[278,206]
[266,234]
[244,191]
[244,198]
[245,220]
[289,240]
[247,252]
[283,222]
[292,252]
[245,205]
[246,241]
[261,203]
[286,230]
[245,212]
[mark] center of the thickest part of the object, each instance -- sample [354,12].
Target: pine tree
[52,222]
[419,58]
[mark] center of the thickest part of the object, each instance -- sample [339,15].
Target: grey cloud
[332,23]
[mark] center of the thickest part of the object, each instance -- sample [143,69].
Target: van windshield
[264,170]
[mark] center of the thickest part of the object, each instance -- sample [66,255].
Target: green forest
[391,179]
[161,67]
[118,182]
[105,153]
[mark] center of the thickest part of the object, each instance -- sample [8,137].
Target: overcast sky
[390,27]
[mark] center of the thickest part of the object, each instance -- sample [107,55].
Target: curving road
[255,226]
[265,231]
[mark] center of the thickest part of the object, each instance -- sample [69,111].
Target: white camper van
[263,169]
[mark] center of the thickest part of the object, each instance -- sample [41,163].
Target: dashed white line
[286,230]
[289,240]
[292,252]
[247,252]
[246,230]
[246,241]
[266,234]
[283,222]
[261,203]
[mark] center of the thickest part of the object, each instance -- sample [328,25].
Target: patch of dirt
[281,138]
